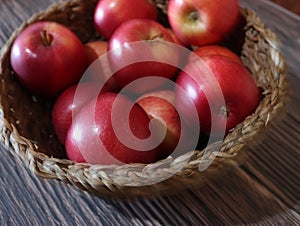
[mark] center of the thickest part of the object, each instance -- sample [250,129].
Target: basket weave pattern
[26,129]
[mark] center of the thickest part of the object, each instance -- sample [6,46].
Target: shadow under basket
[27,132]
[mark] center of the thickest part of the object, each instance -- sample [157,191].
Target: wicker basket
[27,132]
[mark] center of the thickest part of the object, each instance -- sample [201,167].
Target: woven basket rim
[105,179]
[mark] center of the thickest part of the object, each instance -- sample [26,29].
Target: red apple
[214,50]
[94,49]
[220,109]
[110,14]
[160,105]
[141,48]
[202,22]
[69,103]
[180,138]
[103,133]
[48,57]
[176,39]
[100,71]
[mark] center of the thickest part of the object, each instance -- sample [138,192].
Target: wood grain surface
[264,190]
[291,5]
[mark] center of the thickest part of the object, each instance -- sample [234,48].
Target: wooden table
[265,189]
[292,5]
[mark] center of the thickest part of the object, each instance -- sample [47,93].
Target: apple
[214,50]
[176,39]
[103,133]
[69,103]
[100,71]
[110,14]
[180,138]
[47,57]
[140,48]
[94,49]
[161,106]
[221,109]
[202,22]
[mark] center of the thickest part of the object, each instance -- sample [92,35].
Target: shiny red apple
[94,49]
[223,92]
[160,105]
[69,103]
[202,22]
[141,48]
[100,70]
[110,14]
[47,58]
[102,133]
[207,50]
[176,39]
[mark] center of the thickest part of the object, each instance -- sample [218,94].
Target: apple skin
[99,73]
[123,49]
[207,50]
[176,39]
[179,138]
[202,22]
[110,14]
[239,91]
[94,49]
[69,103]
[161,106]
[47,58]
[93,124]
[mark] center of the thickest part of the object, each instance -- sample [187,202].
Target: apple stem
[47,38]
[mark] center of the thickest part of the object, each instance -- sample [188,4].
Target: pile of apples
[192,89]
